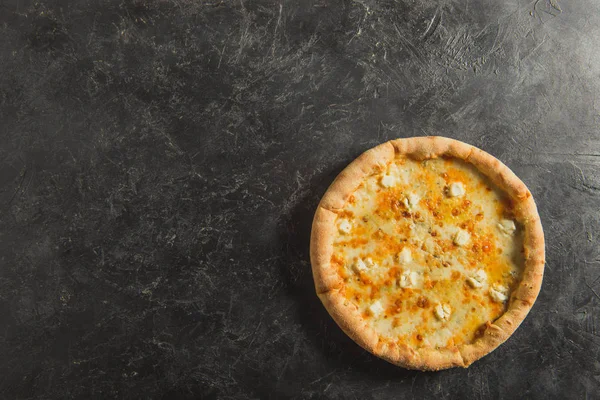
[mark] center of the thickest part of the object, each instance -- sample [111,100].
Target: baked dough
[428,252]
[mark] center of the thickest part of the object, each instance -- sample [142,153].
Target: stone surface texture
[161,161]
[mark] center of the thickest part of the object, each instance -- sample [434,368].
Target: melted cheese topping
[431,252]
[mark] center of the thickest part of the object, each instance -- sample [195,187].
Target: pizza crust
[329,284]
[321,248]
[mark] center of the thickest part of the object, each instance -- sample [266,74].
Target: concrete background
[160,163]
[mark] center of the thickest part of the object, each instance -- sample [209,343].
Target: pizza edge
[328,282]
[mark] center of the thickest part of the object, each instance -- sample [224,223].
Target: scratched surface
[160,163]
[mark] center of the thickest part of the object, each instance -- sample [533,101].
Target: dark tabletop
[161,161]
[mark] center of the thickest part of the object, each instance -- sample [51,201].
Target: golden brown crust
[349,319]
[321,248]
[426,359]
[328,282]
[426,147]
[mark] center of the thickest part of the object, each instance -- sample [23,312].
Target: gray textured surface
[161,161]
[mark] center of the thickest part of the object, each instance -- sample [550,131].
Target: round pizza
[428,252]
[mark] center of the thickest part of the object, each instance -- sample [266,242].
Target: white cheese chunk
[411,200]
[405,256]
[388,181]
[478,279]
[499,293]
[456,189]
[344,226]
[369,262]
[376,308]
[507,226]
[414,277]
[409,279]
[359,266]
[461,238]
[443,311]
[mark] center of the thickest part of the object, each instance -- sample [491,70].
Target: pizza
[428,252]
